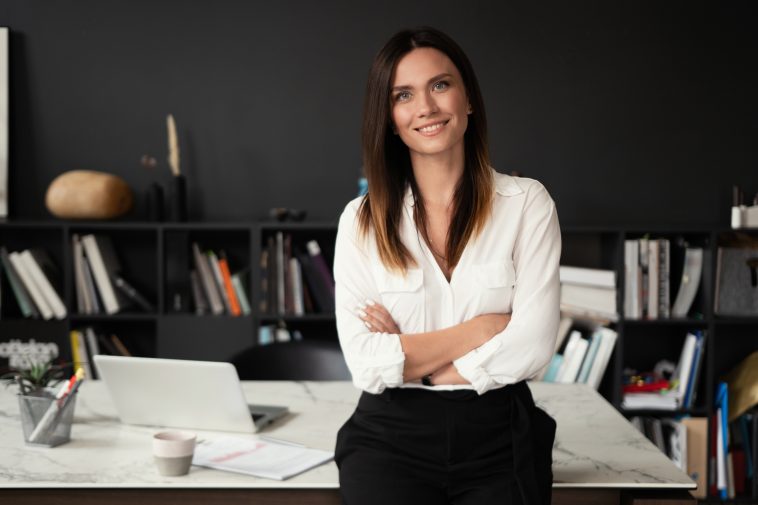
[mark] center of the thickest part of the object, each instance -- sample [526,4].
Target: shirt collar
[505,185]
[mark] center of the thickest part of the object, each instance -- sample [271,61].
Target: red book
[658,385]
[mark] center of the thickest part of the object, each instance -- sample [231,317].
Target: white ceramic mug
[173,451]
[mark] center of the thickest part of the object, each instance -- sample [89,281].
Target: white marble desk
[598,456]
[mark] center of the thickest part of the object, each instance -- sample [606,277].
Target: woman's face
[429,105]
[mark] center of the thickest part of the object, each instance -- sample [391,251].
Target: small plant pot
[46,421]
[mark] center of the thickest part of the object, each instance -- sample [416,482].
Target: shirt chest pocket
[403,297]
[496,283]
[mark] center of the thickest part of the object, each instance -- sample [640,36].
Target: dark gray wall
[639,114]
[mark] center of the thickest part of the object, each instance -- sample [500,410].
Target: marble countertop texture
[595,445]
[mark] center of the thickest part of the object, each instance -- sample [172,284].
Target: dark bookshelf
[144,248]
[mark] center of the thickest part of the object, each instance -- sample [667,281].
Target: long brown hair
[387,163]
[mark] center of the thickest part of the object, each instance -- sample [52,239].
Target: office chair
[303,360]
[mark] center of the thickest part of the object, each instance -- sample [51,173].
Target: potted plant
[46,411]
[35,380]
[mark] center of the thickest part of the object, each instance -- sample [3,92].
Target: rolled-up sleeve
[375,360]
[527,343]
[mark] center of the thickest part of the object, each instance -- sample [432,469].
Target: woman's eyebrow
[407,86]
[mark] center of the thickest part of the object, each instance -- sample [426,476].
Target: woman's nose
[427,105]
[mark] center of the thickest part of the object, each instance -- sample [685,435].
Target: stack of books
[589,293]
[681,390]
[99,284]
[581,360]
[214,288]
[295,280]
[684,441]
[86,343]
[647,266]
[32,276]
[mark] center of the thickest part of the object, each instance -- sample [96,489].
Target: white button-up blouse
[511,267]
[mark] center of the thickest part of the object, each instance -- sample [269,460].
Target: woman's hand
[448,374]
[377,318]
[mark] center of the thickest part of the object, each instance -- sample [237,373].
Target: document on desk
[258,457]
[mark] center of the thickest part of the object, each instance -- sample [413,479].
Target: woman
[447,296]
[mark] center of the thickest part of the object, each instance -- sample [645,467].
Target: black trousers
[419,446]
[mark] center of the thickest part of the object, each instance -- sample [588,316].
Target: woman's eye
[402,96]
[441,85]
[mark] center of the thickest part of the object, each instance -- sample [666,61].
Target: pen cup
[46,421]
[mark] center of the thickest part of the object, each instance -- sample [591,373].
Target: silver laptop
[201,395]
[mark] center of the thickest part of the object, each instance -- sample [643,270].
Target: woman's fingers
[377,318]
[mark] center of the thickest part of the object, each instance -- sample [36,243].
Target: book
[82,358]
[588,276]
[320,263]
[664,289]
[263,306]
[602,357]
[206,280]
[594,345]
[89,283]
[34,262]
[280,293]
[653,279]
[107,344]
[324,301]
[697,453]
[132,294]
[691,391]
[239,290]
[223,265]
[217,278]
[23,298]
[684,366]
[258,457]
[31,287]
[83,304]
[576,348]
[553,368]
[689,283]
[100,272]
[119,345]
[93,348]
[296,281]
[200,303]
[644,265]
[631,280]
[599,299]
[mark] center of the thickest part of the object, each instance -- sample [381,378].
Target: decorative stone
[87,194]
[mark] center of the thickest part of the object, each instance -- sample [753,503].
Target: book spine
[48,292]
[201,306]
[23,297]
[239,289]
[131,292]
[89,281]
[100,274]
[31,287]
[223,265]
[82,304]
[206,278]
[318,260]
[280,295]
[263,305]
[120,346]
[216,270]
[296,281]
